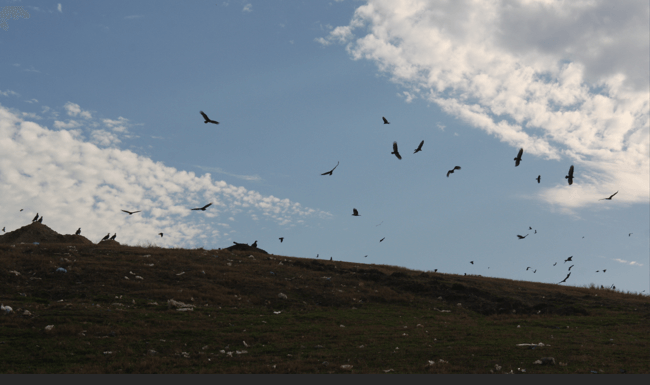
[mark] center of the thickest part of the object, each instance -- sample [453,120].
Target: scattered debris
[61,270]
[539,344]
[282,295]
[14,272]
[49,328]
[346,367]
[180,306]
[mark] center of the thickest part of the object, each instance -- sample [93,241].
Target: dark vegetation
[372,317]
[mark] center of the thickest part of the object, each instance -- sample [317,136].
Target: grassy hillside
[110,314]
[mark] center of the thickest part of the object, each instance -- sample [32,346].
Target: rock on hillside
[38,232]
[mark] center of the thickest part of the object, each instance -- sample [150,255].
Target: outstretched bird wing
[332,170]
[395,151]
[419,147]
[208,120]
[518,158]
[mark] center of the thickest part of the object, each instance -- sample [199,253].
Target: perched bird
[208,120]
[610,197]
[570,176]
[330,258]
[518,158]
[113,237]
[355,213]
[254,244]
[281,239]
[131,212]
[382,239]
[35,218]
[161,235]
[568,259]
[40,220]
[539,177]
[385,121]
[106,237]
[522,236]
[435,270]
[419,147]
[452,170]
[78,231]
[3,229]
[332,170]
[570,267]
[564,280]
[204,207]
[395,151]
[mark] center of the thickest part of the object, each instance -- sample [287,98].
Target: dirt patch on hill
[38,232]
[245,247]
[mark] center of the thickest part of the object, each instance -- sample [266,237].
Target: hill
[121,309]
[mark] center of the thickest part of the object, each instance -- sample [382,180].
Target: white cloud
[564,80]
[104,138]
[30,101]
[254,178]
[8,93]
[77,184]
[118,125]
[63,125]
[631,263]
[74,109]
[59,8]
[248,8]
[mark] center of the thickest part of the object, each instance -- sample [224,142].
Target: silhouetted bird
[528,268]
[570,267]
[555,264]
[78,231]
[281,239]
[106,237]
[35,218]
[435,270]
[568,259]
[518,158]
[254,244]
[208,120]
[355,213]
[40,220]
[330,258]
[382,239]
[535,231]
[21,209]
[472,262]
[385,121]
[3,229]
[365,256]
[395,151]
[161,235]
[570,176]
[539,177]
[452,170]
[332,170]
[604,270]
[522,236]
[419,147]
[204,207]
[610,197]
[597,271]
[113,237]
[316,255]
[630,234]
[564,280]
[131,212]
[530,228]
[535,271]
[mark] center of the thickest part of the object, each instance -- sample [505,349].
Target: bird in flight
[106,237]
[535,271]
[472,262]
[208,120]
[518,158]
[281,239]
[365,256]
[564,280]
[35,218]
[530,228]
[535,231]
[161,235]
[355,213]
[332,170]
[113,237]
[528,268]
[395,151]
[604,270]
[452,170]
[568,259]
[203,208]
[382,239]
[419,147]
[131,212]
[610,197]
[522,236]
[555,264]
[630,234]
[570,176]
[385,121]
[571,267]
[78,231]
[539,177]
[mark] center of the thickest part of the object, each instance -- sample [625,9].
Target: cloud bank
[565,80]
[74,183]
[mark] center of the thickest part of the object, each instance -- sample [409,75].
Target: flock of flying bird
[355,212]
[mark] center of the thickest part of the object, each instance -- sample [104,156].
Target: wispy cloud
[254,178]
[248,8]
[74,109]
[74,183]
[631,263]
[59,8]
[8,93]
[564,80]
[130,17]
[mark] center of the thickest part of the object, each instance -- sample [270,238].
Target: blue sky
[99,112]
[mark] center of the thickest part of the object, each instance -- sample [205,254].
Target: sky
[100,112]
